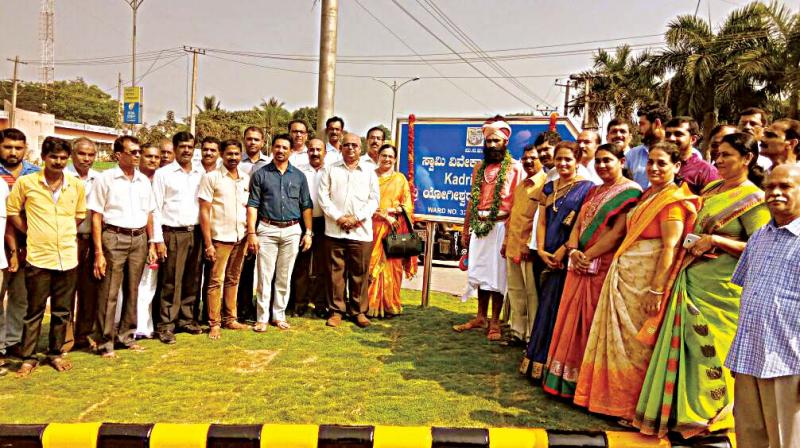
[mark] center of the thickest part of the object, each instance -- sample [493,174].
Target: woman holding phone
[687,390]
[616,356]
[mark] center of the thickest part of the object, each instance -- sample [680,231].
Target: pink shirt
[514,176]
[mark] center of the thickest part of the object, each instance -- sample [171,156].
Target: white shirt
[175,193]
[91,176]
[3,215]
[582,171]
[313,176]
[344,191]
[367,162]
[334,154]
[122,202]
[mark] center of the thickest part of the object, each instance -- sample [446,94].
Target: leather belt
[124,230]
[281,224]
[179,229]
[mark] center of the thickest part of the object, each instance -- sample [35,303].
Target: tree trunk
[709,121]
[794,99]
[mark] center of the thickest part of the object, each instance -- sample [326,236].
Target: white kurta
[486,270]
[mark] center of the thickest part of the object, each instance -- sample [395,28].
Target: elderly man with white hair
[493,183]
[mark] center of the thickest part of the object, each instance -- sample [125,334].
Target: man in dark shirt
[279,198]
[683,132]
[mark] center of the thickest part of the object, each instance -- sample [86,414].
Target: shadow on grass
[423,345]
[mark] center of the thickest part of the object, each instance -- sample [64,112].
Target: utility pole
[587,91]
[327,62]
[119,101]
[12,117]
[193,99]
[567,84]
[546,111]
[134,4]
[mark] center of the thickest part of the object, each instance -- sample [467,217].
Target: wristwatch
[309,233]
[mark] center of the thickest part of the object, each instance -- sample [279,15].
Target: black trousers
[181,279]
[245,303]
[60,287]
[310,273]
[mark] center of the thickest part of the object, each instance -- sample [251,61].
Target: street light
[134,4]
[395,87]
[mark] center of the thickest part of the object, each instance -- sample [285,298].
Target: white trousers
[144,302]
[277,250]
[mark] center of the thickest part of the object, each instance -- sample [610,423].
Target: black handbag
[403,245]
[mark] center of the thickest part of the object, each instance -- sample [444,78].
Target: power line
[428,30]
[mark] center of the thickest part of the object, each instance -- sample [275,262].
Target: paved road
[446,278]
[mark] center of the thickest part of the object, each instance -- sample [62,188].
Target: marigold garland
[482,228]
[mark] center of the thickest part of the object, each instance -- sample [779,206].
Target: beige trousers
[522,297]
[767,412]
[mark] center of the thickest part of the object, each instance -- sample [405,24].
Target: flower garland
[479,227]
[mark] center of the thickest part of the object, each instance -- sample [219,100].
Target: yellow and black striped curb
[166,435]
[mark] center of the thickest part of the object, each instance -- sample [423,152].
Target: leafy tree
[164,129]
[73,100]
[309,115]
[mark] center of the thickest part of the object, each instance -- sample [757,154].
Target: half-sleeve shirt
[228,197]
[123,202]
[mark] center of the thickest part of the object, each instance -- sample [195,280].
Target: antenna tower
[47,40]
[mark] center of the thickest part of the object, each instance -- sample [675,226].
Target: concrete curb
[167,435]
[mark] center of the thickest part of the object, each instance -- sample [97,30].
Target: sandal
[282,325]
[60,364]
[471,325]
[260,327]
[495,334]
[25,369]
[215,333]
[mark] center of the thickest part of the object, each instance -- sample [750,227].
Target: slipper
[109,355]
[494,333]
[282,325]
[215,333]
[471,325]
[60,364]
[260,327]
[25,369]
[136,348]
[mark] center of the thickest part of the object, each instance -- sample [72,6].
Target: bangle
[657,293]
[251,233]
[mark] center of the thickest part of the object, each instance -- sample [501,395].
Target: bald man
[765,353]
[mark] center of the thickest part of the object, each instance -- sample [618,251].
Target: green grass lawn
[410,370]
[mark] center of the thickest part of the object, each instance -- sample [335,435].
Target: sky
[536,41]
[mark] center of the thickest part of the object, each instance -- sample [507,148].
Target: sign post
[132,105]
[445,150]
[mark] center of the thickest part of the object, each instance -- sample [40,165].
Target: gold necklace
[562,196]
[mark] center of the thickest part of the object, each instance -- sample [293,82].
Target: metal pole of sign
[430,231]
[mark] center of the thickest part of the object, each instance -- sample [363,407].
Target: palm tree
[619,83]
[704,64]
[210,103]
[273,112]
[775,66]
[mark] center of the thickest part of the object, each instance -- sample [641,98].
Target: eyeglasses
[135,152]
[299,132]
[350,145]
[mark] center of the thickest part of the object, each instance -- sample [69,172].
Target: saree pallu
[687,389]
[559,225]
[386,274]
[616,358]
[582,291]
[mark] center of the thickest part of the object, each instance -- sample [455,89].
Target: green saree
[686,389]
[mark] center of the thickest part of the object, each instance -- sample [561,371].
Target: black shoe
[513,341]
[192,328]
[167,337]
[321,312]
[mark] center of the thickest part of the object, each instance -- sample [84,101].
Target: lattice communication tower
[47,39]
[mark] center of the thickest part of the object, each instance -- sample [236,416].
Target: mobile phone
[690,239]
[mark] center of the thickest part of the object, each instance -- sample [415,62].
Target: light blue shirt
[767,342]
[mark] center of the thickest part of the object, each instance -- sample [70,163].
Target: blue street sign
[131,113]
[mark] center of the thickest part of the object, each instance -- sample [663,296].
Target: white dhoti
[486,269]
[144,302]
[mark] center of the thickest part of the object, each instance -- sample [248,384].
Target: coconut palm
[274,114]
[704,64]
[210,103]
[619,84]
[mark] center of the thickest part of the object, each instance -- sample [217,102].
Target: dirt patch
[255,361]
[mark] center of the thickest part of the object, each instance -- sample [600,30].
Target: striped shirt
[27,168]
[767,342]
